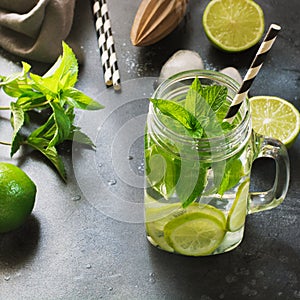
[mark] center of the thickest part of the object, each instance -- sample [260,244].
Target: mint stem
[4,107]
[5,143]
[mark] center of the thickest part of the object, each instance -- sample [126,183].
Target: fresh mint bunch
[202,112]
[54,93]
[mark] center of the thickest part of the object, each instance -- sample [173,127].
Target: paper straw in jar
[252,72]
[106,44]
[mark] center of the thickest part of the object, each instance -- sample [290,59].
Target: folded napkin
[35,29]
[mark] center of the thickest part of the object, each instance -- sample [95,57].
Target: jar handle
[271,148]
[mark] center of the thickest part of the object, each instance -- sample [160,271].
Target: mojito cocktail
[197,166]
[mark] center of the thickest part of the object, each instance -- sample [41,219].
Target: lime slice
[155,232]
[208,210]
[156,216]
[275,117]
[156,211]
[194,234]
[233,25]
[237,214]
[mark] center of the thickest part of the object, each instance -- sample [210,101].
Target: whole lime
[17,197]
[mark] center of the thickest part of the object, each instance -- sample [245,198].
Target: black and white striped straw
[106,44]
[252,72]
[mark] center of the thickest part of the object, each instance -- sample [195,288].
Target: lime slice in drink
[233,25]
[156,211]
[156,216]
[194,234]
[237,214]
[275,117]
[208,210]
[155,231]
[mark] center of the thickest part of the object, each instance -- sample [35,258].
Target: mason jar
[197,189]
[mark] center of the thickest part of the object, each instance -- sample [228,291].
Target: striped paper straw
[106,44]
[252,72]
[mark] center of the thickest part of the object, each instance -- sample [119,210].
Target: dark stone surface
[85,239]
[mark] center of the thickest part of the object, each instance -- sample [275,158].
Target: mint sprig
[53,92]
[201,113]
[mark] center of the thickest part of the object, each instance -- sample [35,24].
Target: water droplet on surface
[152,277]
[76,198]
[110,289]
[88,266]
[130,157]
[6,277]
[112,181]
[141,168]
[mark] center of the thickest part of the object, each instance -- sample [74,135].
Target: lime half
[276,118]
[237,214]
[194,234]
[233,25]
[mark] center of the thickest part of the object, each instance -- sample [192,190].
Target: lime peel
[17,197]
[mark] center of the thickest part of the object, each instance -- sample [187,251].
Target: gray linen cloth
[35,29]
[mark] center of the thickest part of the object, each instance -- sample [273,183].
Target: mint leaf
[7,80]
[162,170]
[16,84]
[192,181]
[62,125]
[47,130]
[47,86]
[180,114]
[17,121]
[65,69]
[77,99]
[232,174]
[41,145]
[78,136]
[191,102]
[215,96]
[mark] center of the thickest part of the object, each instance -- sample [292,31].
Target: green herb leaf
[77,99]
[162,170]
[232,174]
[78,136]
[41,145]
[62,125]
[179,113]
[17,121]
[192,181]
[215,96]
[191,102]
[46,131]
[65,70]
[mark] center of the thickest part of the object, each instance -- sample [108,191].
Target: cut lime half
[233,25]
[276,118]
